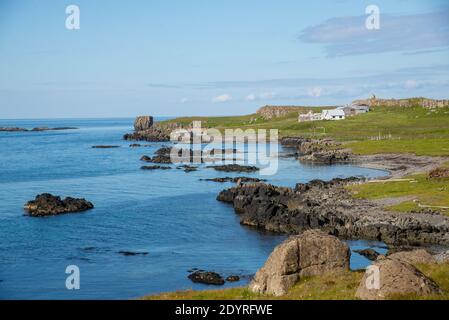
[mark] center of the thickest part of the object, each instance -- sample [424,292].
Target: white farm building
[334,114]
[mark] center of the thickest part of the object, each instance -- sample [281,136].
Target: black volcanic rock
[233,179]
[329,206]
[370,254]
[233,278]
[105,147]
[132,253]
[155,168]
[187,168]
[12,129]
[47,205]
[206,277]
[53,129]
[39,129]
[234,168]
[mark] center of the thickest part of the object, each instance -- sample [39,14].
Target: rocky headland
[329,206]
[145,129]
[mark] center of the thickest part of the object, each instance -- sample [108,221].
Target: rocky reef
[206,277]
[234,168]
[39,129]
[234,179]
[321,151]
[49,205]
[330,207]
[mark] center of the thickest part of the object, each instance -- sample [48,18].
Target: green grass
[434,192]
[325,287]
[383,130]
[420,147]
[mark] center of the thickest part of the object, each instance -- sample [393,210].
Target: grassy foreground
[325,287]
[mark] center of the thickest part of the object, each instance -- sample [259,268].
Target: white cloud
[343,36]
[315,92]
[251,97]
[222,98]
[411,84]
[262,96]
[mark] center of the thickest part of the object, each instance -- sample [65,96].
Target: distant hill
[409,102]
[270,112]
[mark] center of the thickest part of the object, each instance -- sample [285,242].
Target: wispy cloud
[344,36]
[222,98]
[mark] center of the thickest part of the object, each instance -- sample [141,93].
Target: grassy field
[383,130]
[325,287]
[433,192]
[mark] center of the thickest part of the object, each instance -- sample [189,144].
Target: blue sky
[192,57]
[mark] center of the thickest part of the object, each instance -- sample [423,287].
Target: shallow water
[170,214]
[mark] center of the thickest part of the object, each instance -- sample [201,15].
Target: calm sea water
[170,214]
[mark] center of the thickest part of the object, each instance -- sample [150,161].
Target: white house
[334,114]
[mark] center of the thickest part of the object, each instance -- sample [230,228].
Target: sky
[216,57]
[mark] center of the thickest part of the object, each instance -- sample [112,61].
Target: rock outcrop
[233,278]
[233,179]
[47,205]
[12,129]
[206,277]
[143,123]
[390,278]
[105,147]
[414,257]
[330,207]
[370,254]
[234,168]
[155,168]
[321,151]
[39,129]
[309,254]
[270,112]
[146,130]
[438,173]
[409,102]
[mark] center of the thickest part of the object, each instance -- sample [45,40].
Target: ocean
[170,214]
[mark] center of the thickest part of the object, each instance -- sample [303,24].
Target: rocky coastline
[330,207]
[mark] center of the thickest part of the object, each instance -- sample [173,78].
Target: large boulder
[47,205]
[143,123]
[311,253]
[389,278]
[414,257]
